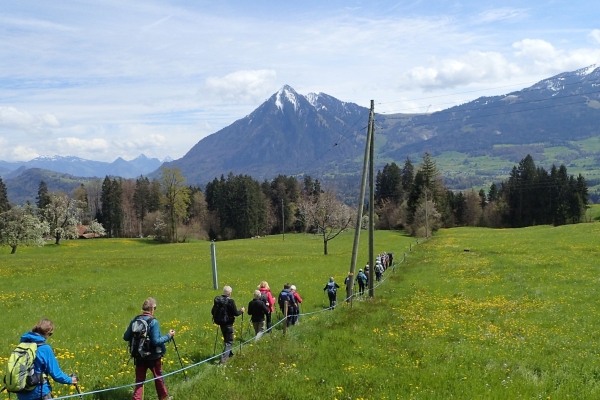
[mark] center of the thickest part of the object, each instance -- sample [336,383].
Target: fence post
[285,315]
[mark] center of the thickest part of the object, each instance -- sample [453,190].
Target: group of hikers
[382,262]
[33,361]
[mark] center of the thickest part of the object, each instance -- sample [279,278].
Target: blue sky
[101,80]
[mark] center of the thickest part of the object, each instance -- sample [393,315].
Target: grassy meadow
[472,314]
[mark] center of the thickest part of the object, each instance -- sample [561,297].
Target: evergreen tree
[112,207]
[388,184]
[408,176]
[43,196]
[492,193]
[141,198]
[4,204]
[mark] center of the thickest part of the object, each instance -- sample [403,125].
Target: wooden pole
[371,204]
[285,315]
[361,205]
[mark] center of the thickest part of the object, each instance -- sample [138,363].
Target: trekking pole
[178,356]
[77,386]
[242,333]
[216,337]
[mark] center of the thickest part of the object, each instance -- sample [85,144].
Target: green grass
[91,290]
[515,316]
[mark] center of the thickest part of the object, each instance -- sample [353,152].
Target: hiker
[390,259]
[155,350]
[44,363]
[332,288]
[257,309]
[224,312]
[362,281]
[378,271]
[287,295]
[298,301]
[347,283]
[265,291]
[367,271]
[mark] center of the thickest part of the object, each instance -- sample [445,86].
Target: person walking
[45,363]
[332,288]
[224,312]
[362,281]
[287,295]
[298,300]
[157,349]
[257,309]
[265,291]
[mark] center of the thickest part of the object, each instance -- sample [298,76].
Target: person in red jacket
[298,301]
[266,291]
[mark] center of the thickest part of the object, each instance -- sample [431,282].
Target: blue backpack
[284,296]
[331,288]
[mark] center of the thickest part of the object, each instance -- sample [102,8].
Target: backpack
[331,288]
[361,278]
[139,345]
[265,299]
[20,375]
[219,310]
[285,296]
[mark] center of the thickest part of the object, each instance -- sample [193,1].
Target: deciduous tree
[63,214]
[20,226]
[326,215]
[177,198]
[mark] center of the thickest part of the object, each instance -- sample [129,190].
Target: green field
[472,314]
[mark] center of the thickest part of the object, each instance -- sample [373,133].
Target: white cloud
[242,86]
[470,68]
[23,153]
[595,35]
[543,57]
[499,14]
[535,49]
[72,145]
[12,118]
[531,58]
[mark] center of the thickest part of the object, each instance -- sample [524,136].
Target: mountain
[555,111]
[284,135]
[557,120]
[76,166]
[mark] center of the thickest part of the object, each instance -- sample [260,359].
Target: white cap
[293,287]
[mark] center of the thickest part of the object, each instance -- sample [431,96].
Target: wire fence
[384,277]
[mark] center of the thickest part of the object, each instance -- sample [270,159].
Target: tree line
[238,206]
[419,202]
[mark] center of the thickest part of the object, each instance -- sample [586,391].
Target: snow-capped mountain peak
[286,95]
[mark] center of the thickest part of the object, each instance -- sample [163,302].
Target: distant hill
[24,185]
[76,166]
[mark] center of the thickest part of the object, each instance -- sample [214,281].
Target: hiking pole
[216,337]
[242,333]
[77,386]
[178,356]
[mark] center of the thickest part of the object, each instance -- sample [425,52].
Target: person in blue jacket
[45,362]
[153,361]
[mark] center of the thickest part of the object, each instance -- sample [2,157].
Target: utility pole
[426,216]
[282,220]
[361,204]
[371,200]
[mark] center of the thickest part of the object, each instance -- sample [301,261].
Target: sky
[106,79]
